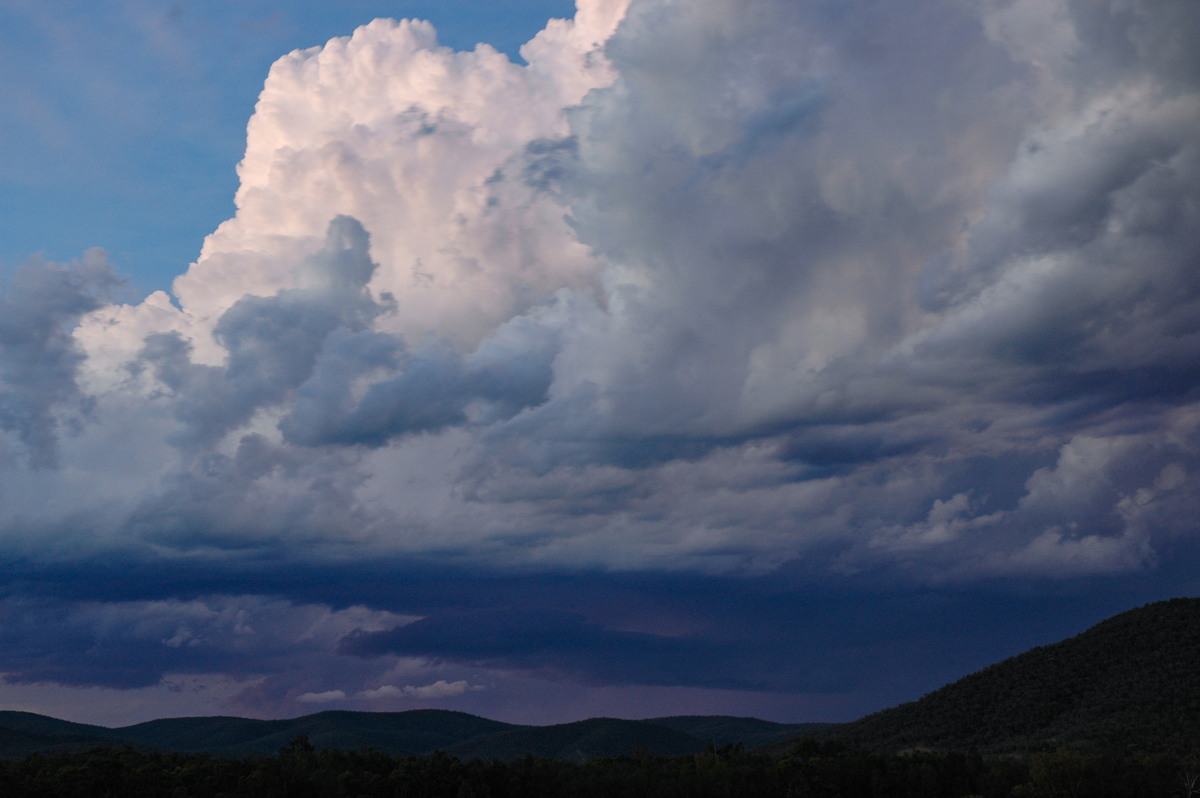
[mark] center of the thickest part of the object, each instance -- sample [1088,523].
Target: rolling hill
[419,732]
[24,733]
[580,741]
[1130,682]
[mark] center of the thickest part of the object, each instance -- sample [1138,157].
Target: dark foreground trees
[810,770]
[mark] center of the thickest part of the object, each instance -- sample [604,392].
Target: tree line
[812,769]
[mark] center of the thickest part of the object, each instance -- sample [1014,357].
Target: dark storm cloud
[273,343]
[734,634]
[131,624]
[126,645]
[39,358]
[436,387]
[132,631]
[815,353]
[557,643]
[138,643]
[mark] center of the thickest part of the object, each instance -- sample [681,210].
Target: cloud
[39,360]
[273,344]
[439,689]
[558,645]
[406,136]
[387,691]
[135,644]
[433,387]
[779,293]
[684,283]
[321,698]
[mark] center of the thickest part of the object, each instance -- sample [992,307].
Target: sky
[123,122]
[783,358]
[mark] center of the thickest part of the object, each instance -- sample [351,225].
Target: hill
[1130,682]
[581,740]
[726,730]
[419,732]
[24,733]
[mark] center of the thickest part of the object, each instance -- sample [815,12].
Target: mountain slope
[24,733]
[1132,680]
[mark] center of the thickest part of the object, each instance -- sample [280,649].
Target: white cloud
[428,149]
[386,691]
[321,698]
[696,288]
[439,689]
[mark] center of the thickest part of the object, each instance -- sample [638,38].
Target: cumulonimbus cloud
[700,287]
[715,243]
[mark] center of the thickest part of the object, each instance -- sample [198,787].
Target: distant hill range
[1130,682]
[418,732]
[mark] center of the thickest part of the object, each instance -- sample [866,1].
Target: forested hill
[1130,681]
[416,732]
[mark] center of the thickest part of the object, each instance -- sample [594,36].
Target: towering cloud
[432,152]
[784,291]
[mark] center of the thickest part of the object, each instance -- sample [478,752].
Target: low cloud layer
[784,296]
